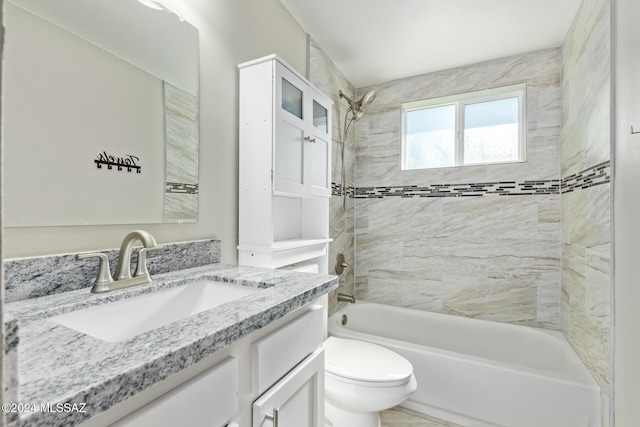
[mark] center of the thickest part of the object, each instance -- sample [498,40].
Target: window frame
[460,101]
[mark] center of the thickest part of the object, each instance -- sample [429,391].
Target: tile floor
[401,417]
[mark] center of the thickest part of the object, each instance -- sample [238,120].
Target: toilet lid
[363,361]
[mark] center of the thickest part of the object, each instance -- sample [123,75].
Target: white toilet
[362,379]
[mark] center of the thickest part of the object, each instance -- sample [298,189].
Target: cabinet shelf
[284,245]
[286,252]
[285,165]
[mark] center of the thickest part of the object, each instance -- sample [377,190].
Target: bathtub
[480,373]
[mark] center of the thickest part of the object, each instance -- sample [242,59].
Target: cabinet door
[302,146]
[297,400]
[317,147]
[289,141]
[208,400]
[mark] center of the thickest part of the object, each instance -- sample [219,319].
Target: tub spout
[346,298]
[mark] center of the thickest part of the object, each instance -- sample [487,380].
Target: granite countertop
[60,365]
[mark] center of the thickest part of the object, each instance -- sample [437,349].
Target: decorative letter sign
[128,161]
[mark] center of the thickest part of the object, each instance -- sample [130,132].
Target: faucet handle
[141,266]
[104,272]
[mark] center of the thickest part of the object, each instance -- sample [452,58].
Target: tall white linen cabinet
[285,167]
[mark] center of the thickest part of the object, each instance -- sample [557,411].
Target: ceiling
[375,41]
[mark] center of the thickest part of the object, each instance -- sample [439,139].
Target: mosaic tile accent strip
[181,188]
[337,190]
[595,175]
[503,188]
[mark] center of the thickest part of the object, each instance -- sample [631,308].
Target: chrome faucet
[104,282]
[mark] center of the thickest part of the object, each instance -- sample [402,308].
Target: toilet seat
[359,362]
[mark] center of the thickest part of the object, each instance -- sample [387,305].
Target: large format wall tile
[404,289]
[441,255]
[503,300]
[329,79]
[534,249]
[435,246]
[587,216]
[491,217]
[475,271]
[586,212]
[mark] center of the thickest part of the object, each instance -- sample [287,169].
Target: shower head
[367,97]
[356,106]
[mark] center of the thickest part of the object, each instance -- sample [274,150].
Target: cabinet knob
[310,139]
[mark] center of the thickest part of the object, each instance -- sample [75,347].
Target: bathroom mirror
[100,113]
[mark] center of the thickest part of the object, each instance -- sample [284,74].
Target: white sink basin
[122,320]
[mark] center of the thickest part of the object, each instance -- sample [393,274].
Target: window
[474,128]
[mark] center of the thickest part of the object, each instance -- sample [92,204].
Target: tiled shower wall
[425,239]
[329,79]
[479,241]
[586,211]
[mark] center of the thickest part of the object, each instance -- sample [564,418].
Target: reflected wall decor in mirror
[100,114]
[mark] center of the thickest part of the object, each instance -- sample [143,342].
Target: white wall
[231,32]
[626,207]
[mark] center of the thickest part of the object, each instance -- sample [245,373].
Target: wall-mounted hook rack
[632,132]
[128,161]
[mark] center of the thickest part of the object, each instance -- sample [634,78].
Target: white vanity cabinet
[278,366]
[285,167]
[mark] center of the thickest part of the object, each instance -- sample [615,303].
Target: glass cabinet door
[320,117]
[292,99]
[302,137]
[317,161]
[289,141]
